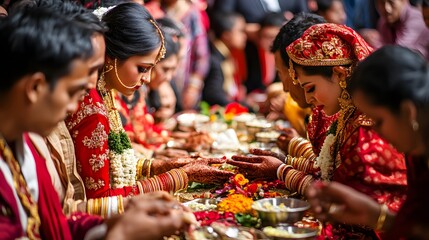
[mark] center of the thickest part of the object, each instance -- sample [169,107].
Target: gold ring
[333,208]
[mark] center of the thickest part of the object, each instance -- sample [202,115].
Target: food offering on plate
[189,121]
[267,137]
[273,211]
[202,204]
[221,231]
[191,141]
[283,232]
[256,126]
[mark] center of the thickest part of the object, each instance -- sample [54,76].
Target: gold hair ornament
[162,50]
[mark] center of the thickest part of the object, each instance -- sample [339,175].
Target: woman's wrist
[382,218]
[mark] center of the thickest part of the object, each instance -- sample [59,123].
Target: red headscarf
[328,44]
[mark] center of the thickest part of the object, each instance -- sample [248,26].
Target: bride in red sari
[352,153]
[105,159]
[391,86]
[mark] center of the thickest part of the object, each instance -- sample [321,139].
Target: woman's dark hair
[39,40]
[293,30]
[132,31]
[391,75]
[223,22]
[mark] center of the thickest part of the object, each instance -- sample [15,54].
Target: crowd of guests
[88,95]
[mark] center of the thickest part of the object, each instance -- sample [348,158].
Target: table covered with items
[239,208]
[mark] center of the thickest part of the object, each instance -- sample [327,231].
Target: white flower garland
[123,168]
[325,160]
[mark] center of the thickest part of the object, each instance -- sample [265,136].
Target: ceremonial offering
[202,204]
[273,211]
[283,232]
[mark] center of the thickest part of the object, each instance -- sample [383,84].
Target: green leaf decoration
[333,128]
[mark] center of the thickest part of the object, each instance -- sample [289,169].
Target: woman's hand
[257,167]
[337,202]
[164,164]
[201,171]
[284,139]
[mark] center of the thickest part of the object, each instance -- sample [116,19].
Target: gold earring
[108,67]
[415,125]
[292,73]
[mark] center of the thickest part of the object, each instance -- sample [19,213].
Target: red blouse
[89,128]
[318,127]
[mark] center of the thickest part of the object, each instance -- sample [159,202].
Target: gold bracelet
[148,168]
[139,168]
[381,217]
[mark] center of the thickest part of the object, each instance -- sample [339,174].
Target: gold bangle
[148,168]
[139,168]
[381,217]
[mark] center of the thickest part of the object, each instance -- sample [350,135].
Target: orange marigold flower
[240,179]
[236,203]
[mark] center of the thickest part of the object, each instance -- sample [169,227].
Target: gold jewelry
[119,79]
[381,218]
[108,67]
[162,50]
[22,190]
[292,73]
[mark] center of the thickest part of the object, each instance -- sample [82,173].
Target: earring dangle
[415,125]
[292,73]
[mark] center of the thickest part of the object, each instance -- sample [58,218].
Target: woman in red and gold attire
[352,153]
[105,158]
[142,117]
[392,87]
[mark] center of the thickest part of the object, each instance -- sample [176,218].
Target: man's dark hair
[293,30]
[273,19]
[324,5]
[39,40]
[67,9]
[223,22]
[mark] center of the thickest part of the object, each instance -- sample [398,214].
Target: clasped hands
[151,216]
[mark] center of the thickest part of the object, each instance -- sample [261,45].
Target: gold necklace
[21,188]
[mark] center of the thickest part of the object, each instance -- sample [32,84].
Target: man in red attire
[44,64]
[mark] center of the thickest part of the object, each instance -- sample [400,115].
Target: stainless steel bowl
[273,211]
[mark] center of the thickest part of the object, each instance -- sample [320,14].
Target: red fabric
[267,66]
[328,43]
[412,218]
[54,225]
[89,128]
[139,124]
[371,166]
[53,222]
[318,127]
[10,223]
